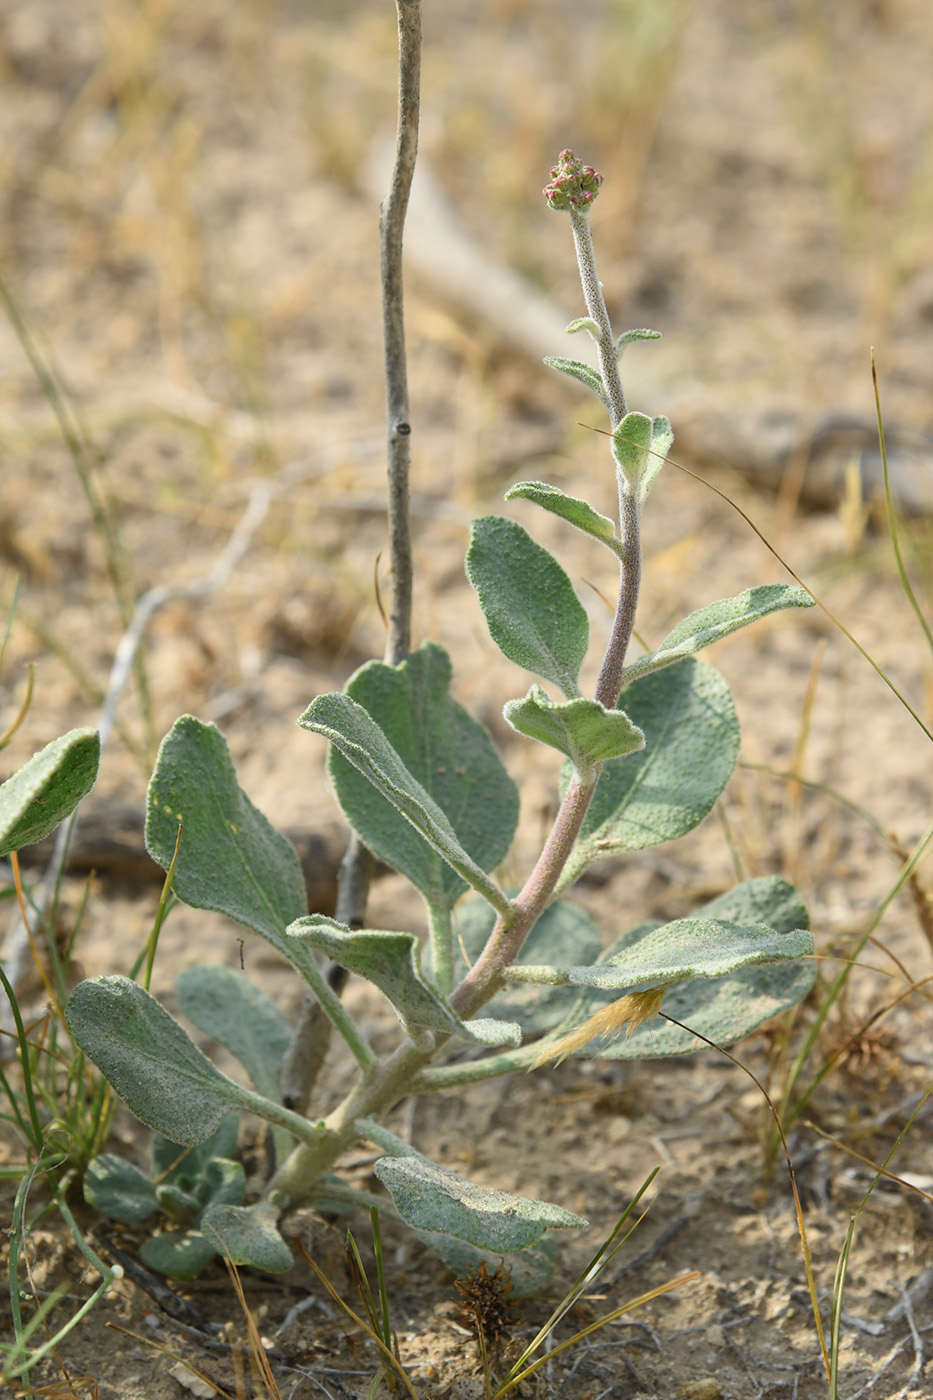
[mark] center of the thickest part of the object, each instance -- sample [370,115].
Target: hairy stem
[374,1094]
[506,939]
[610,675]
[596,306]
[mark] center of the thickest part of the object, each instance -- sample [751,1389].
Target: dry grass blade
[257,1351]
[627,1012]
[385,1351]
[595,1327]
[866,1161]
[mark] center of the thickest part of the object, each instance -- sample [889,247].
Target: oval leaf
[231,859]
[118,1189]
[631,442]
[448,757]
[431,1198]
[178,1253]
[717,620]
[47,789]
[248,1235]
[150,1061]
[532,612]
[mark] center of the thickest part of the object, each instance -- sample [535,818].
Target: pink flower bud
[573,185]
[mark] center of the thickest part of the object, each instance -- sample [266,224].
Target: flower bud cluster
[573,185]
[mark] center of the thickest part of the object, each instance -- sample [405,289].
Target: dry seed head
[485,1306]
[629,1011]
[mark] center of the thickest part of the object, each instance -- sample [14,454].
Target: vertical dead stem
[391,227]
[309,1048]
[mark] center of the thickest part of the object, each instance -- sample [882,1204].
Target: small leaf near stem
[595,304]
[572,189]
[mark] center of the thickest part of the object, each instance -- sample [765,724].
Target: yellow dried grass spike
[629,1011]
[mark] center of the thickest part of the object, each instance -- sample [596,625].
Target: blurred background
[188,228]
[189,267]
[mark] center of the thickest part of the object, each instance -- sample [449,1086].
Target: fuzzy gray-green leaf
[390,961]
[717,620]
[668,787]
[576,369]
[247,1235]
[685,949]
[178,1253]
[431,1198]
[239,1015]
[47,788]
[629,338]
[532,612]
[727,1008]
[570,508]
[118,1189]
[231,858]
[582,729]
[445,804]
[150,1061]
[630,443]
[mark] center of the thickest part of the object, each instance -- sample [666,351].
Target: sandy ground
[189,226]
